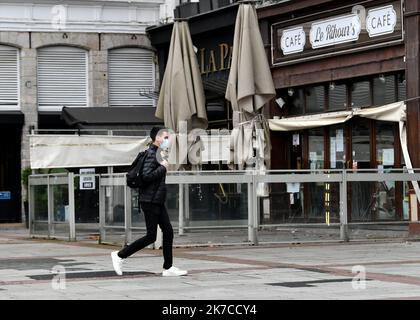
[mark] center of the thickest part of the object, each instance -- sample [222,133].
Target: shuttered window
[62,77]
[131,77]
[9,77]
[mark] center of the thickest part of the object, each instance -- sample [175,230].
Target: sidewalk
[306,271]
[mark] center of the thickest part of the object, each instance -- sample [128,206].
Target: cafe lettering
[215,60]
[293,40]
[336,30]
[310,37]
[381,21]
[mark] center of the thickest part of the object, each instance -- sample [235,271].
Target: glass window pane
[360,94]
[361,144]
[401,87]
[316,161]
[361,200]
[316,148]
[295,102]
[315,99]
[384,144]
[384,192]
[337,97]
[337,147]
[384,90]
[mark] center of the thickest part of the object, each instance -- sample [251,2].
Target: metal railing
[49,194]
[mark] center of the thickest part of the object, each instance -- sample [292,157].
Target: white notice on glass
[333,158]
[388,157]
[340,140]
[296,139]
[293,187]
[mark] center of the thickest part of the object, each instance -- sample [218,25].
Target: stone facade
[97,45]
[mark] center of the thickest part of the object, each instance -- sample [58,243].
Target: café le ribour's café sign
[346,29]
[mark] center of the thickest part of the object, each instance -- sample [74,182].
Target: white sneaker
[173,272]
[117,262]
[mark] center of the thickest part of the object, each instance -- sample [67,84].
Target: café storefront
[337,57]
[212,36]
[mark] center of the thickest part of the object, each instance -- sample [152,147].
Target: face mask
[165,144]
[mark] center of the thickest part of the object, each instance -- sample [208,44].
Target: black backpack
[134,179]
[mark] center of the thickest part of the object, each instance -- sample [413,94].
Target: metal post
[127,214]
[102,218]
[252,235]
[186,204]
[31,207]
[50,204]
[250,206]
[181,210]
[344,234]
[72,218]
[110,170]
[256,210]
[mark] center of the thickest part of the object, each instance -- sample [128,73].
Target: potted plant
[26,172]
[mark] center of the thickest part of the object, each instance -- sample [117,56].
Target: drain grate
[308,284]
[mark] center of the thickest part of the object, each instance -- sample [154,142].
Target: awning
[109,117]
[12,117]
[73,151]
[394,112]
[70,151]
[391,112]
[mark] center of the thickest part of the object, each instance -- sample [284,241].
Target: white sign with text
[334,31]
[381,21]
[293,40]
[87,179]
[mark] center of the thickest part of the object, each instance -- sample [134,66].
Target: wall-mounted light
[332,85]
[28,84]
[290,92]
[382,78]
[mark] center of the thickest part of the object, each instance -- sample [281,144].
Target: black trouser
[154,214]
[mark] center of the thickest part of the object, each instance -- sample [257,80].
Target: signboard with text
[87,179]
[5,195]
[346,29]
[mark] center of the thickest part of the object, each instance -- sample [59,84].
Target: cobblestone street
[29,270]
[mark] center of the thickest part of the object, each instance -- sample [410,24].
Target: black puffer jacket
[154,178]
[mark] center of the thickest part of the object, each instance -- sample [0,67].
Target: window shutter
[9,76]
[62,77]
[131,70]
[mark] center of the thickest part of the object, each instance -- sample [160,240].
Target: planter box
[205,6]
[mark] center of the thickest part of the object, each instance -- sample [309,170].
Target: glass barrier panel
[61,211]
[114,205]
[293,212]
[376,201]
[222,204]
[40,205]
[86,194]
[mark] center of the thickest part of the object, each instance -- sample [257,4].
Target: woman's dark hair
[154,131]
